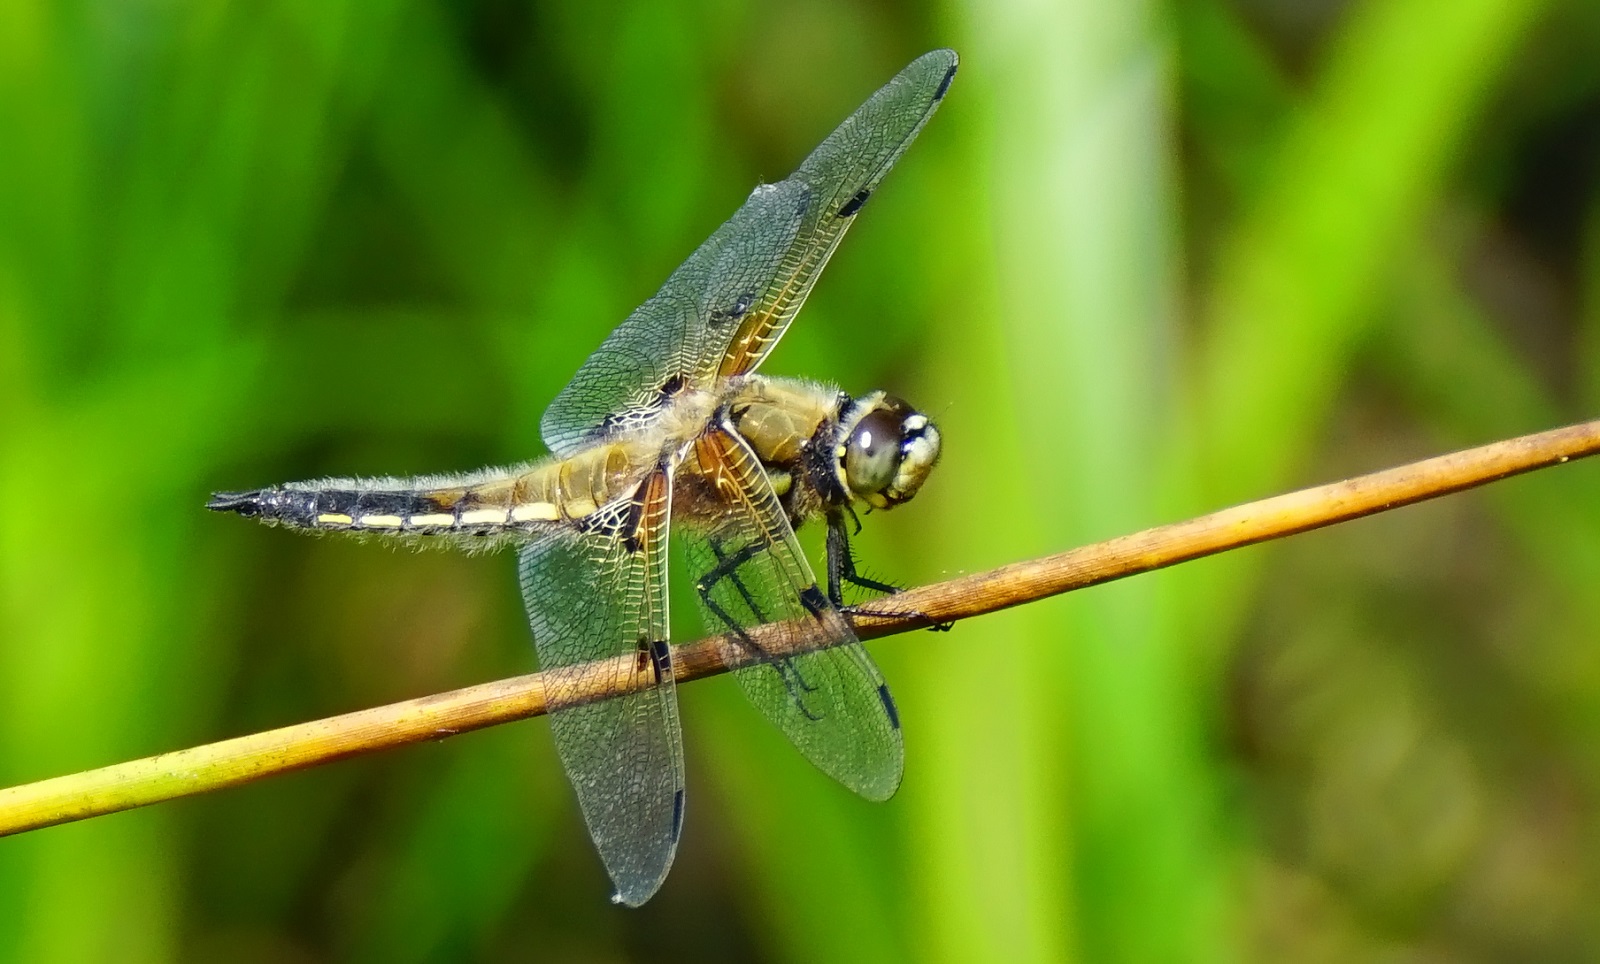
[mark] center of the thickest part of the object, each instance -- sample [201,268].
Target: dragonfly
[667,427]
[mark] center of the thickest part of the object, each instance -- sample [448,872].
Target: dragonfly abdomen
[339,509]
[498,502]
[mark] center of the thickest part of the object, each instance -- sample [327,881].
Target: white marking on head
[917,459]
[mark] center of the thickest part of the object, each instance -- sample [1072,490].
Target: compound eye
[872,456]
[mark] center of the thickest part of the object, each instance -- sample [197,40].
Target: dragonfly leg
[842,569]
[842,565]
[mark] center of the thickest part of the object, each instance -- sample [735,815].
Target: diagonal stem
[243,759]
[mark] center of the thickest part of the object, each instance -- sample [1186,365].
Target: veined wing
[596,593]
[831,702]
[840,175]
[722,310]
[659,349]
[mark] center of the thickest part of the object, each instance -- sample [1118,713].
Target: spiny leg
[842,569]
[842,565]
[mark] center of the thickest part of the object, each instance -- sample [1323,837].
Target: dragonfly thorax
[833,449]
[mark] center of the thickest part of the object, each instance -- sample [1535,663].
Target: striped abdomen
[512,500]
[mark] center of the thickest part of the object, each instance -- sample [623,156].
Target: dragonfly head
[886,450]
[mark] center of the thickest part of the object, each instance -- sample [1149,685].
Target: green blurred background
[1148,260]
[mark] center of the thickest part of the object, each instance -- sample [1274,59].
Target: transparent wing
[832,703]
[840,176]
[660,349]
[598,592]
[725,307]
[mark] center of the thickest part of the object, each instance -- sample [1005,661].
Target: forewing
[831,702]
[667,343]
[724,309]
[839,177]
[596,592]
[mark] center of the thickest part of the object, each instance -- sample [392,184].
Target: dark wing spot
[735,311]
[674,384]
[812,598]
[630,524]
[854,204]
[608,522]
[677,814]
[661,659]
[944,85]
[888,705]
